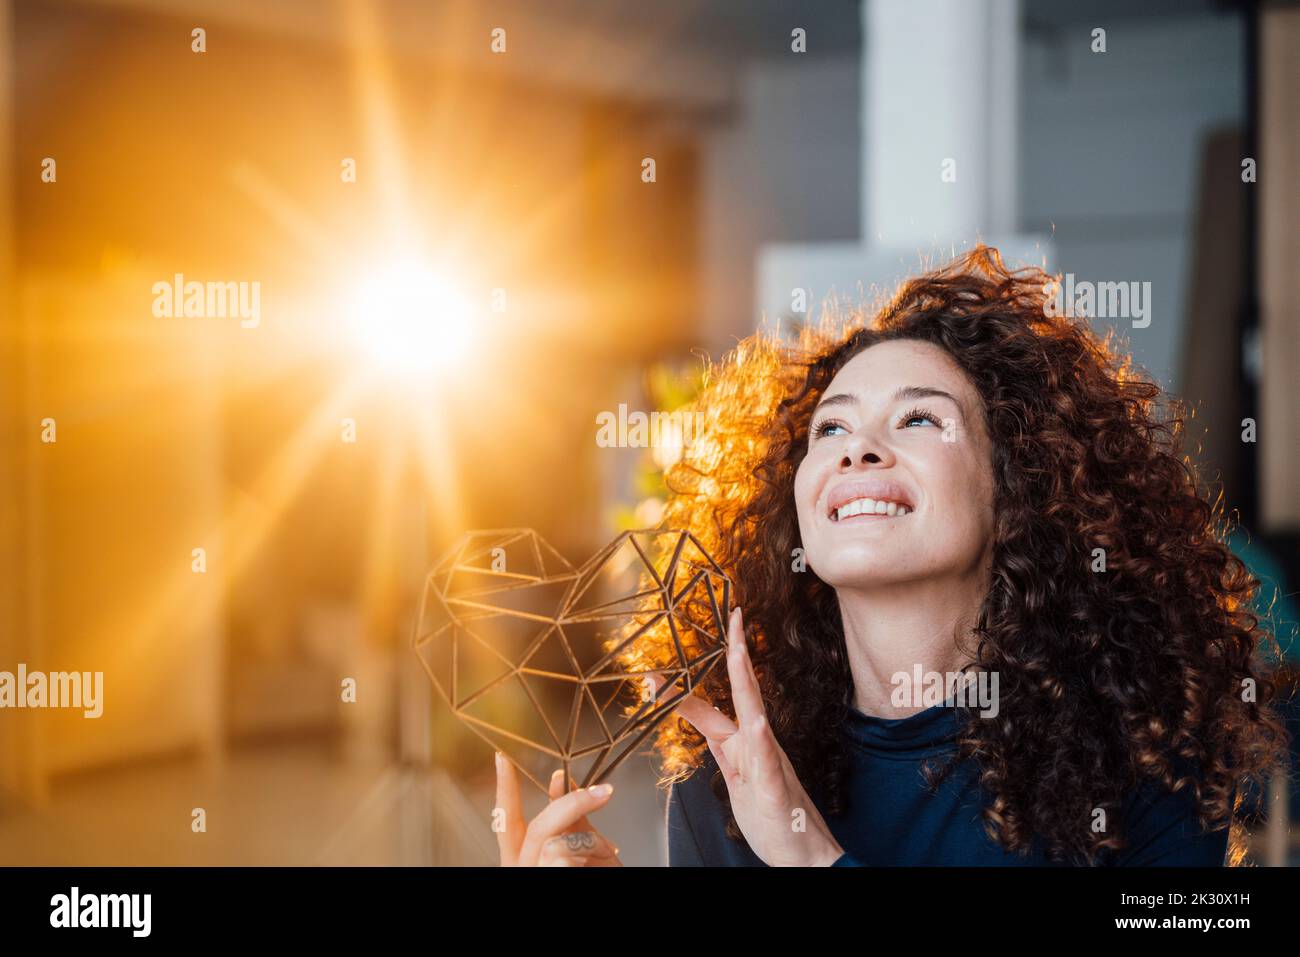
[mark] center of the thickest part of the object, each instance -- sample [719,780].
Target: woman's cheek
[803,493]
[807,528]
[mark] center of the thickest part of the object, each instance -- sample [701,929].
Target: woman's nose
[860,454]
[848,463]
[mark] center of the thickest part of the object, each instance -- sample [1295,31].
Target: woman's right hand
[560,835]
[766,797]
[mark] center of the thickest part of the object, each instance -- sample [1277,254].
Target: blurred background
[463,258]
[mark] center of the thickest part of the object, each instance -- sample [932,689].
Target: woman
[972,486]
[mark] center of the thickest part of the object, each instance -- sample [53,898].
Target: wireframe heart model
[557,666]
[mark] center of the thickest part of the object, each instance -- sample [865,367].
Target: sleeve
[1164,830]
[848,860]
[696,826]
[683,848]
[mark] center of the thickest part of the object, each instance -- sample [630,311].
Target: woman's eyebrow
[840,398]
[926,392]
[905,392]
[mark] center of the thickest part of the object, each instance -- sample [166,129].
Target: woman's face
[897,485]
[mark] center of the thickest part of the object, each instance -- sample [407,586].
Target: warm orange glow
[409,320]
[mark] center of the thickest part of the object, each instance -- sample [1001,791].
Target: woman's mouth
[869,507]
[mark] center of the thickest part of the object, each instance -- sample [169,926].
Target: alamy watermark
[653,430]
[130,911]
[208,300]
[1099,300]
[957,689]
[55,689]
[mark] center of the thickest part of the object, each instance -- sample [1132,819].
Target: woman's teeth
[870,506]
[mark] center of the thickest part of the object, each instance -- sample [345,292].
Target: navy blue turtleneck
[893,819]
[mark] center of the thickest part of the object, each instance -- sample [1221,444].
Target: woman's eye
[827,428]
[919,416]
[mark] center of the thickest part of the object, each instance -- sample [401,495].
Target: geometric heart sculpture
[551,664]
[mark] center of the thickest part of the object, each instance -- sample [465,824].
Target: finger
[584,862]
[511,836]
[716,727]
[558,816]
[724,764]
[556,790]
[589,846]
[744,686]
[763,762]
[705,718]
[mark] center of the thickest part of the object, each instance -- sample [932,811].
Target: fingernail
[499,758]
[602,790]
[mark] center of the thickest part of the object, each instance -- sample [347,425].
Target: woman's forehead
[887,366]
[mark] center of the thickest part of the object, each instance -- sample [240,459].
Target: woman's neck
[901,629]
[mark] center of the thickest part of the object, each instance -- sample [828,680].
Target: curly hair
[1108,680]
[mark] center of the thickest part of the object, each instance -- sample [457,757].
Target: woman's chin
[864,572]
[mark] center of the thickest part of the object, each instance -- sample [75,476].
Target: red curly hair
[1107,680]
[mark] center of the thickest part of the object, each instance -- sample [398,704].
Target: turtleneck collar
[917,735]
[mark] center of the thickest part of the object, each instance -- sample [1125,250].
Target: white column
[939,83]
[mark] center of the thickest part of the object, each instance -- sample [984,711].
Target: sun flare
[408,319]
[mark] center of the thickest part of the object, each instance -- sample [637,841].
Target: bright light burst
[409,320]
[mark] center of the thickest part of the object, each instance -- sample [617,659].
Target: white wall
[784,171]
[1110,152]
[1108,163]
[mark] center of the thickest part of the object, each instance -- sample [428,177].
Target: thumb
[704,718]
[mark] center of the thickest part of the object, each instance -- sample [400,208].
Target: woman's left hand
[561,835]
[771,807]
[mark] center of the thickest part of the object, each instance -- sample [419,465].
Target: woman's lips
[869,508]
[868,498]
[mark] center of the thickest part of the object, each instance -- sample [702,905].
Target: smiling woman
[878,440]
[1020,447]
[968,483]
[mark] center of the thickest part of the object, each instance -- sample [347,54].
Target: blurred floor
[292,803]
[298,803]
